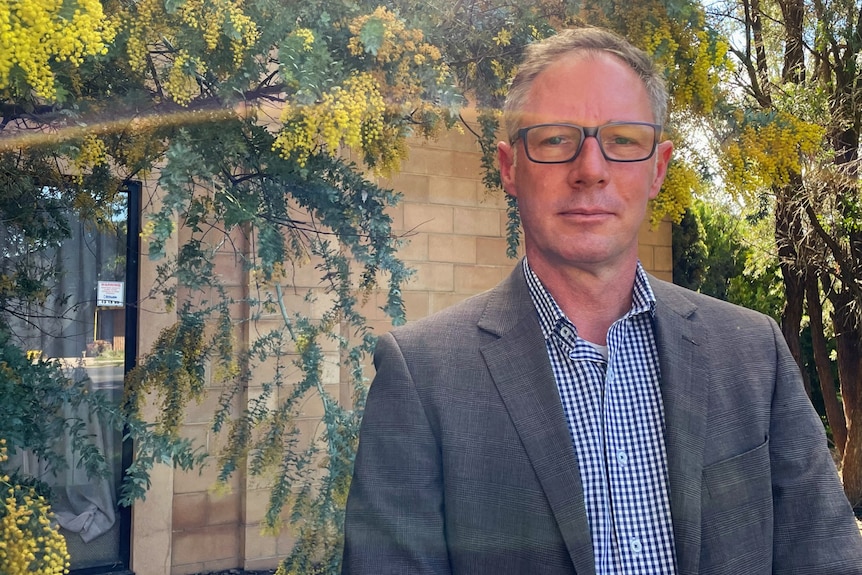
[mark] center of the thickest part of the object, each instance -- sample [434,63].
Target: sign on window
[110,294]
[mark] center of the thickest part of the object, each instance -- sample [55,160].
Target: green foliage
[690,252]
[32,390]
[513,227]
[724,234]
[371,35]
[722,254]
[709,249]
[35,220]
[173,369]
[759,288]
[152,446]
[227,183]
[43,407]
[334,202]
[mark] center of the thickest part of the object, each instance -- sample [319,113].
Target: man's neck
[592,299]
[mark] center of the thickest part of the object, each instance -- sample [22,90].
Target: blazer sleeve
[394,521]
[814,527]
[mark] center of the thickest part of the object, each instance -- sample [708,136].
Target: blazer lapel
[684,377]
[519,365]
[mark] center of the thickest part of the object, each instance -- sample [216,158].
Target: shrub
[98,347]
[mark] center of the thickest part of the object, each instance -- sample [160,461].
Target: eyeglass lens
[628,142]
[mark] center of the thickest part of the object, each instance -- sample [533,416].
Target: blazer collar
[518,363]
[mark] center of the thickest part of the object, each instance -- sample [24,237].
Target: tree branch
[846,268]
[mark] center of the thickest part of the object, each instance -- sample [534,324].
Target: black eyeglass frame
[586,132]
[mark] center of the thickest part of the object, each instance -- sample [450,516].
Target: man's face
[584,214]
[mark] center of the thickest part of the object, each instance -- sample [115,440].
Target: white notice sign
[110,294]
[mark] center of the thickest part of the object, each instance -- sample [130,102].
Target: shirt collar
[550,314]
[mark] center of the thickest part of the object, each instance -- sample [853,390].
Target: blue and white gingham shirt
[613,406]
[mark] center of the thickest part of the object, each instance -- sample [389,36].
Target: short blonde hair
[589,40]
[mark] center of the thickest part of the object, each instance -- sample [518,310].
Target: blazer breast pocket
[741,477]
[736,514]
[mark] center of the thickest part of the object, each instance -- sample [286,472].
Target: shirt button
[635,545]
[622,458]
[565,332]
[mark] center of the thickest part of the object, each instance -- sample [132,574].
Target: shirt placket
[591,445]
[620,457]
[634,468]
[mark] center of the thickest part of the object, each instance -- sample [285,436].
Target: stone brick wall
[455,228]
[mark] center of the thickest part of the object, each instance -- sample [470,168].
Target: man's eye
[622,141]
[554,141]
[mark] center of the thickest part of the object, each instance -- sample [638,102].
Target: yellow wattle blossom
[181,83]
[29,542]
[92,152]
[147,231]
[503,37]
[221,24]
[213,17]
[149,22]
[767,155]
[505,72]
[307,37]
[351,114]
[693,60]
[404,62]
[472,70]
[359,112]
[34,34]
[399,46]
[680,184]
[695,87]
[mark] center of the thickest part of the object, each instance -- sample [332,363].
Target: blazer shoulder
[687,302]
[459,315]
[690,300]
[495,311]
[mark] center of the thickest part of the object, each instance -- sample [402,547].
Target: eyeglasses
[618,141]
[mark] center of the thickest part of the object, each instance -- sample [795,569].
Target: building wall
[456,232]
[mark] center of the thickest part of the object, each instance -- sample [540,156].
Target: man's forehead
[592,58]
[607,85]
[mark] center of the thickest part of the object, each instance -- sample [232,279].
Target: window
[89,324]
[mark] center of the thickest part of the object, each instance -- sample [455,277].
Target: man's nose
[590,166]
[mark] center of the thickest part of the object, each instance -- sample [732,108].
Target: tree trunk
[787,236]
[834,412]
[789,232]
[794,44]
[791,320]
[848,338]
[852,462]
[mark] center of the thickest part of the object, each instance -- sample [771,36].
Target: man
[583,417]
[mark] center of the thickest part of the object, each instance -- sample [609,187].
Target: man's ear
[506,160]
[663,153]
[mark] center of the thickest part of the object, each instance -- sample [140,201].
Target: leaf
[372,35]
[171,6]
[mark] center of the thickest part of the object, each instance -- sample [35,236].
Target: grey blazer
[466,465]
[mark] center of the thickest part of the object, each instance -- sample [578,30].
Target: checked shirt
[612,402]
